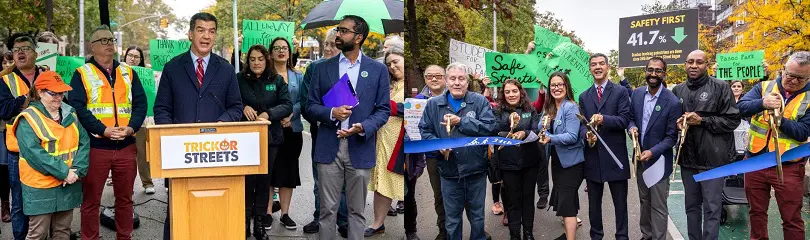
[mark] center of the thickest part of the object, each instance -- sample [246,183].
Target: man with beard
[14,98]
[712,115]
[607,106]
[346,141]
[653,113]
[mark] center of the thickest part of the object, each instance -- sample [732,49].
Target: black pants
[4,184]
[257,190]
[618,190]
[410,205]
[542,177]
[519,190]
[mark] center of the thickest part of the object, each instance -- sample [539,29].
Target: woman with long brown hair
[517,119]
[564,149]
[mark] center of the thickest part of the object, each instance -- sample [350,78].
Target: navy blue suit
[599,165]
[659,137]
[372,112]
[180,99]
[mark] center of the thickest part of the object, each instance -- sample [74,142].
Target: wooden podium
[207,177]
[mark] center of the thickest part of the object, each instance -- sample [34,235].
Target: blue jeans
[342,218]
[19,222]
[460,193]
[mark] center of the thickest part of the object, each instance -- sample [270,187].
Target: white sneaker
[149,190]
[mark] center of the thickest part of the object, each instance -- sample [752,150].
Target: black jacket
[267,94]
[9,105]
[522,156]
[78,100]
[710,144]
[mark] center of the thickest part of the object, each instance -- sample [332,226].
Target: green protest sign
[503,66]
[161,51]
[262,32]
[572,60]
[147,77]
[544,38]
[66,65]
[740,65]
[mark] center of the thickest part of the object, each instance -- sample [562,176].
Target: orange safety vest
[111,109]
[760,132]
[18,87]
[60,142]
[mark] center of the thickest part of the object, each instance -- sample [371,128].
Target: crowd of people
[587,139]
[66,142]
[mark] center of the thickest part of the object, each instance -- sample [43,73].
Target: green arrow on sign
[679,36]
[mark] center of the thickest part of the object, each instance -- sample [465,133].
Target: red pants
[788,198]
[123,165]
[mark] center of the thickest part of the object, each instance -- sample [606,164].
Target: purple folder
[341,94]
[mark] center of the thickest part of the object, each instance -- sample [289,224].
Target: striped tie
[200,72]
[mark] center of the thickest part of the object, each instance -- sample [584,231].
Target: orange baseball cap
[51,81]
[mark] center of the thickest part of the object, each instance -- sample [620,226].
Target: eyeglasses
[54,94]
[106,41]
[22,49]
[432,76]
[654,70]
[795,77]
[134,56]
[559,85]
[281,48]
[343,30]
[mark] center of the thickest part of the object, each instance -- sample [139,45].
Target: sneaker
[401,208]
[371,232]
[268,222]
[288,222]
[497,209]
[542,204]
[149,190]
[312,227]
[392,212]
[344,231]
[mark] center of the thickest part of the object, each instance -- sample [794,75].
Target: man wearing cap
[111,105]
[12,100]
[53,150]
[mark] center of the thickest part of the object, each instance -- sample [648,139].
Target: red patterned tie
[200,72]
[598,92]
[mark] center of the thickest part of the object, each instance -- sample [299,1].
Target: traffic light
[164,23]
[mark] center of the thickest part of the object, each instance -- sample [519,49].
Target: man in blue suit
[654,110]
[198,86]
[608,106]
[347,134]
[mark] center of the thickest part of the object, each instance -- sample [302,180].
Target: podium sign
[213,150]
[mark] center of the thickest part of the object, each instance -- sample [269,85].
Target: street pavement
[152,209]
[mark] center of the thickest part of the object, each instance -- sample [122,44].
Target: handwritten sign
[413,115]
[503,66]
[161,51]
[147,77]
[572,60]
[545,38]
[262,32]
[740,65]
[468,54]
[46,55]
[66,66]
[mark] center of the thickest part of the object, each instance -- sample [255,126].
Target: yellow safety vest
[111,109]
[18,87]
[60,142]
[760,132]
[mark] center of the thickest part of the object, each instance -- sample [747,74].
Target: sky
[186,8]
[596,22]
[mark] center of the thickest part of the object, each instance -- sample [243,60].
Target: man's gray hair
[102,27]
[457,65]
[395,40]
[801,57]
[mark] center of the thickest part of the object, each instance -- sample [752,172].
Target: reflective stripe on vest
[109,108]
[760,132]
[17,87]
[60,142]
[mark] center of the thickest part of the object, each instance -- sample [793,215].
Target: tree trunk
[412,38]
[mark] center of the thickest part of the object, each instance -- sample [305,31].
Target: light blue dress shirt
[353,70]
[649,107]
[204,63]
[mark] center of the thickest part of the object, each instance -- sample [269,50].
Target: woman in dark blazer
[517,164]
[265,96]
[564,149]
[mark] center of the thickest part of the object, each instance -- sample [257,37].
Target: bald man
[712,115]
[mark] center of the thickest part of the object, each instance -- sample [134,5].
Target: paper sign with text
[740,65]
[413,115]
[46,55]
[161,51]
[468,54]
[503,66]
[210,150]
[67,65]
[262,32]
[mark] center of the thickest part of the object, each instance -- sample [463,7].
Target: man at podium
[198,86]
[346,141]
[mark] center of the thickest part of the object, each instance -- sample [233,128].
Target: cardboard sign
[161,51]
[740,65]
[262,32]
[468,54]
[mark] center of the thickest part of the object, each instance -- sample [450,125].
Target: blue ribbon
[448,143]
[762,161]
